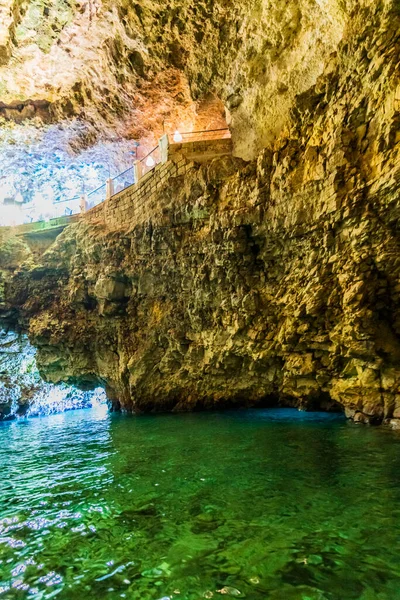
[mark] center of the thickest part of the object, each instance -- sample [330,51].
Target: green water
[258,505]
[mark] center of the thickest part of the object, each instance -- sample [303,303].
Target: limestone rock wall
[144,66]
[271,280]
[152,66]
[10,15]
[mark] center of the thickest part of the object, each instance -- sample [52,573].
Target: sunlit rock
[45,170]
[268,276]
[150,67]
[24,393]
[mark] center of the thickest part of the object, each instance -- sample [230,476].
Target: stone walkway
[139,199]
[139,202]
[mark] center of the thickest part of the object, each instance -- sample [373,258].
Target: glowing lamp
[150,162]
[177,137]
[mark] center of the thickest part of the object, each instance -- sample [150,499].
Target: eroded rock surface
[145,66]
[275,279]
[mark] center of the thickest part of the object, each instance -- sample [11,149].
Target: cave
[199,299]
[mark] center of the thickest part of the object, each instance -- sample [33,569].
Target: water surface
[260,505]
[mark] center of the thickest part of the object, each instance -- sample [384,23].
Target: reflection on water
[257,504]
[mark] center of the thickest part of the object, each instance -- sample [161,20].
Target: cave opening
[23,392]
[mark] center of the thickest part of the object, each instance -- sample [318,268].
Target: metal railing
[72,206]
[97,196]
[61,208]
[123,180]
[199,136]
[148,162]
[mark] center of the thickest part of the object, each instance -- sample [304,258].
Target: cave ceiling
[141,68]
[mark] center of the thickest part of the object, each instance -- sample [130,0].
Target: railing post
[137,170]
[83,203]
[109,188]
[163,144]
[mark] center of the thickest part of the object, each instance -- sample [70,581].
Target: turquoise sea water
[261,505]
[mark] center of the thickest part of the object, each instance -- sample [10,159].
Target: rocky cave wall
[141,67]
[271,280]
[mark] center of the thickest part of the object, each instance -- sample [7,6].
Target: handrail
[200,136]
[205,131]
[68,200]
[119,174]
[147,155]
[96,190]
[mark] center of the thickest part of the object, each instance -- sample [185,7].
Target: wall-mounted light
[177,137]
[150,162]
